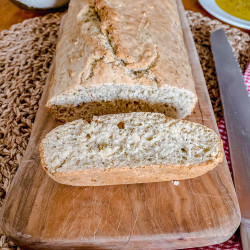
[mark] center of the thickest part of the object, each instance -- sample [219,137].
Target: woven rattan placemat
[26,52]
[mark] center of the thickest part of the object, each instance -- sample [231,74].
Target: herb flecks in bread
[108,52]
[129,148]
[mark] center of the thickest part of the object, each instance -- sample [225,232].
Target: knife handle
[245,236]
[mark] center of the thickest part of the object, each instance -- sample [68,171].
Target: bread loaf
[121,56]
[129,148]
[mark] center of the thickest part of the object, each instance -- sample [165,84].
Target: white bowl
[211,7]
[44,4]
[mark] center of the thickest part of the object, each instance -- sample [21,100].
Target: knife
[236,106]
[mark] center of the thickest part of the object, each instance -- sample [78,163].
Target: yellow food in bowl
[237,8]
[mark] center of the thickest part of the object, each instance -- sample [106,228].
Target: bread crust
[128,175]
[140,45]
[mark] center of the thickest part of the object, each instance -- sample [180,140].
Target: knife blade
[236,106]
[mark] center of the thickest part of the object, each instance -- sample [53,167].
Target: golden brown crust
[128,175]
[112,26]
[142,44]
[143,32]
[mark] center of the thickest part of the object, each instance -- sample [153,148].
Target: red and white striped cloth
[234,242]
[247,78]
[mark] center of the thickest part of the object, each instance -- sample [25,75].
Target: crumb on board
[176,183]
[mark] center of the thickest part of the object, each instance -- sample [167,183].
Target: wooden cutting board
[40,213]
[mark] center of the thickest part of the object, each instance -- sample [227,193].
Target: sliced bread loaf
[121,56]
[129,148]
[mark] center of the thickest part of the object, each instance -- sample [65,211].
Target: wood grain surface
[40,213]
[11,14]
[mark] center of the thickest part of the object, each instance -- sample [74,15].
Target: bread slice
[121,56]
[129,148]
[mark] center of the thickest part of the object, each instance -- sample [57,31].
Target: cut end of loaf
[129,148]
[86,102]
[102,60]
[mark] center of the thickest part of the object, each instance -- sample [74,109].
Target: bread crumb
[176,183]
[132,141]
